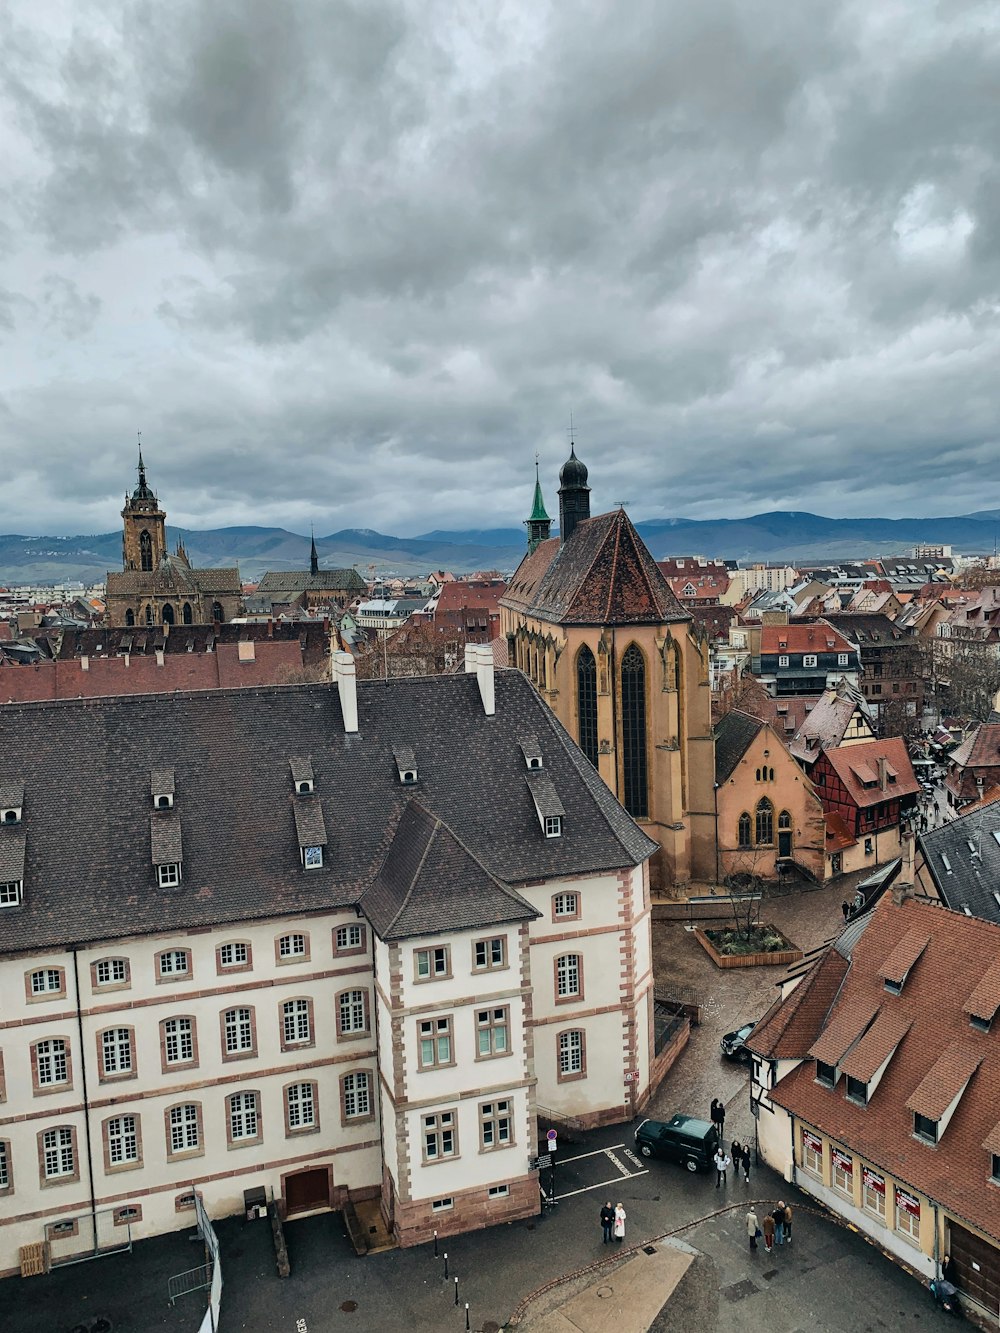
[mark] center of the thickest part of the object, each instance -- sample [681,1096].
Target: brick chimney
[883,778]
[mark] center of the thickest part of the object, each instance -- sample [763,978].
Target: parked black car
[682,1139]
[733,1044]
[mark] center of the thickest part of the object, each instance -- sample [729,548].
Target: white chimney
[159,657]
[484,675]
[347,688]
[471,657]
[84,663]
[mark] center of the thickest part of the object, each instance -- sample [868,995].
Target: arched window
[586,702]
[217,615]
[784,820]
[765,822]
[186,615]
[744,830]
[130,617]
[145,550]
[634,763]
[168,614]
[149,614]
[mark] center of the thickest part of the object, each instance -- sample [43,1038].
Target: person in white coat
[619,1221]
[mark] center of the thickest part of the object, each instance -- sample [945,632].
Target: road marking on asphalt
[602,1184]
[632,1157]
[596,1153]
[617,1161]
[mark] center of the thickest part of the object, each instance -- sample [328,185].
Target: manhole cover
[349,1307]
[649,1249]
[739,1290]
[605,1292]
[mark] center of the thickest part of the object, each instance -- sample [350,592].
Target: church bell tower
[144,533]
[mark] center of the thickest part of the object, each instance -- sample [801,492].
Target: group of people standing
[613,1222]
[739,1153]
[776,1227]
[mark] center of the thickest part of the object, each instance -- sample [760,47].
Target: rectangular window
[440,1136]
[496,1124]
[356,1095]
[51,1063]
[843,1173]
[842,659]
[10,893]
[174,963]
[111,972]
[493,1032]
[873,1193]
[178,1041]
[442,1205]
[300,1106]
[58,1153]
[168,876]
[499,1191]
[435,1042]
[783,660]
[122,1139]
[490,954]
[572,1055]
[292,948]
[349,939]
[238,1033]
[244,1117]
[352,1012]
[296,1022]
[565,905]
[232,956]
[826,1074]
[184,1124]
[553,826]
[809,660]
[925,1128]
[569,976]
[312,858]
[5,1172]
[116,1052]
[857,1090]
[431,963]
[47,981]
[812,1153]
[907,1215]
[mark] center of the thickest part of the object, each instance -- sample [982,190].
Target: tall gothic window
[217,612]
[744,830]
[186,613]
[634,763]
[149,614]
[145,550]
[168,614]
[586,702]
[130,617]
[765,822]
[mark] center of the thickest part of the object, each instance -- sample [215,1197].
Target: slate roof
[86,767]
[173,575]
[827,722]
[603,575]
[939,1049]
[963,859]
[301,580]
[857,764]
[733,735]
[429,883]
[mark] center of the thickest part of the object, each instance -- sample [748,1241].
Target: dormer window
[532,752]
[925,1128]
[11,802]
[10,815]
[312,858]
[406,765]
[548,806]
[302,776]
[901,961]
[168,875]
[553,826]
[857,1090]
[10,893]
[161,786]
[826,1074]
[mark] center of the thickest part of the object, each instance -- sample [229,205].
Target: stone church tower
[144,530]
[591,620]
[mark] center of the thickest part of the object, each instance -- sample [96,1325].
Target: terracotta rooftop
[857,766]
[945,1079]
[846,1026]
[876,1046]
[985,999]
[789,1028]
[898,965]
[819,637]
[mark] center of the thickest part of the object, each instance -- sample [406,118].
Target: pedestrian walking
[721,1166]
[788,1224]
[718,1114]
[753,1230]
[779,1222]
[607,1221]
[619,1223]
[768,1229]
[744,1163]
[845,907]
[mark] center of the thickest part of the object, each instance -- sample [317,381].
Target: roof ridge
[500,884]
[417,807]
[617,528]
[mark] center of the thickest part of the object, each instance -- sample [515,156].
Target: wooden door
[306,1190]
[978,1264]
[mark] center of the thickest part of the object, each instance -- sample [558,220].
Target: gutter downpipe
[86,1098]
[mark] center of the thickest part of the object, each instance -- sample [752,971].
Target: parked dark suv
[733,1044]
[682,1139]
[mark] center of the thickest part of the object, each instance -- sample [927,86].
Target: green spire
[538,514]
[539,523]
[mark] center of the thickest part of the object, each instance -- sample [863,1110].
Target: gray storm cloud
[354,263]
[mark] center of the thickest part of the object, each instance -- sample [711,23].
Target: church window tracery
[634,760]
[586,690]
[765,822]
[145,550]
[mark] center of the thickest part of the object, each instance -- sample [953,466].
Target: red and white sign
[842,1162]
[872,1180]
[551,1136]
[811,1142]
[907,1202]
[631,1076]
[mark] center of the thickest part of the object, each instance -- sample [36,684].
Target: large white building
[342,942]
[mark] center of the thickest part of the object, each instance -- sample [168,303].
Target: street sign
[632,1076]
[552,1136]
[540,1163]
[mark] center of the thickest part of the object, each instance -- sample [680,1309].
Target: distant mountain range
[795,537]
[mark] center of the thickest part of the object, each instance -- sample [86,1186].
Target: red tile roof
[900,962]
[945,1079]
[856,765]
[930,1059]
[838,835]
[816,638]
[790,1027]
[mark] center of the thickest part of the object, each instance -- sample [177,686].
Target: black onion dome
[573,472]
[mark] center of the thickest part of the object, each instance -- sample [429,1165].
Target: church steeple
[574,495]
[313,554]
[538,523]
[144,533]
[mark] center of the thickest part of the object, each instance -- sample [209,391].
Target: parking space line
[602,1184]
[596,1153]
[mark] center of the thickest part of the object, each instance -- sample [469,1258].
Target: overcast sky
[353,262]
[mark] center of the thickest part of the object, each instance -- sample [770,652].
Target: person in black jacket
[607,1221]
[949,1271]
